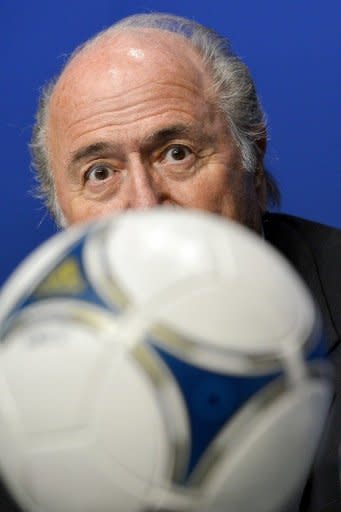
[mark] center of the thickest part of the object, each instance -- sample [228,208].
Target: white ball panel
[12,440]
[266,278]
[232,315]
[150,253]
[80,479]
[44,364]
[128,410]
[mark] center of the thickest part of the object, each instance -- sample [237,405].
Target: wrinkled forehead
[138,55]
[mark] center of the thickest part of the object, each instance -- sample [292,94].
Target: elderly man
[157,110]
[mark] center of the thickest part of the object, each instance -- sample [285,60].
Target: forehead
[133,57]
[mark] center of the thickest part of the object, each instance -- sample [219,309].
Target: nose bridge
[142,189]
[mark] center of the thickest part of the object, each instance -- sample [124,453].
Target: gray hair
[233,86]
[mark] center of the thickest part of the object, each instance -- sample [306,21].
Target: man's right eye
[99,172]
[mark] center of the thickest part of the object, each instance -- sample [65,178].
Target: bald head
[143,49]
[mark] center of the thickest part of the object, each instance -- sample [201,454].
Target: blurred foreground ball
[159,360]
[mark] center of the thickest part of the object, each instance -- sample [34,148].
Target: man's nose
[143,187]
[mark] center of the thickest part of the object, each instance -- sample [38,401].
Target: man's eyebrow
[97,149]
[169,133]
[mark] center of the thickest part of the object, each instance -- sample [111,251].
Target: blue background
[293,49]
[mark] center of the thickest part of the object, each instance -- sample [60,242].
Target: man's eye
[177,153]
[98,173]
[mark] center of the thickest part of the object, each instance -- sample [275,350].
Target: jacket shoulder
[313,231]
[314,249]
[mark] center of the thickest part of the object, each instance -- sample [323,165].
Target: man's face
[133,123]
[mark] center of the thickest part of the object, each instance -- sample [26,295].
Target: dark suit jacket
[315,252]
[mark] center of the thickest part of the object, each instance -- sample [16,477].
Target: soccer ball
[158,360]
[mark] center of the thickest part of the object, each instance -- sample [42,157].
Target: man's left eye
[177,153]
